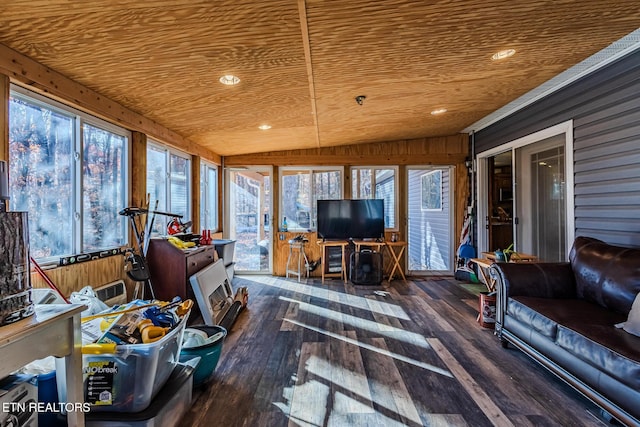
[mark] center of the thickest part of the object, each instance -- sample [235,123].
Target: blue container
[209,353]
[48,393]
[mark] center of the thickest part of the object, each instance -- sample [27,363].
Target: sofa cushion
[609,349]
[605,274]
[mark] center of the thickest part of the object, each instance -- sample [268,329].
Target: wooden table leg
[395,258]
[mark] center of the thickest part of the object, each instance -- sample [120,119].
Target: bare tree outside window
[432,190]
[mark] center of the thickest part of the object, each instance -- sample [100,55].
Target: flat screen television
[350,219]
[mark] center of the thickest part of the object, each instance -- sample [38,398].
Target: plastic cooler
[127,380]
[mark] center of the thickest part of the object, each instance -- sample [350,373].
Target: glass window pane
[180,193]
[373,183]
[41,144]
[364,184]
[327,185]
[208,197]
[386,190]
[103,192]
[212,198]
[157,183]
[296,199]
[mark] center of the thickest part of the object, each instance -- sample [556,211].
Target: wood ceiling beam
[24,71]
[304,28]
[445,150]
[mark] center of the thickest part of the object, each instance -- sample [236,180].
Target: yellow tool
[179,243]
[151,333]
[184,307]
[99,348]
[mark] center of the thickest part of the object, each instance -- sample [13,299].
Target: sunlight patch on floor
[326,293]
[358,322]
[325,399]
[376,349]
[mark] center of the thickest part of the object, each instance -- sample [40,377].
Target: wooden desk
[54,330]
[396,249]
[330,243]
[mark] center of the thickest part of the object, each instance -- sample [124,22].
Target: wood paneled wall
[439,151]
[91,273]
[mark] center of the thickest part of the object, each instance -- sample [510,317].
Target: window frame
[310,170]
[373,168]
[79,119]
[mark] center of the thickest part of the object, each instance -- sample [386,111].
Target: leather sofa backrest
[605,274]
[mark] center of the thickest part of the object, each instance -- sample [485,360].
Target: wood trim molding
[4,117]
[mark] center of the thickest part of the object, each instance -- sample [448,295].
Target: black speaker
[366,268]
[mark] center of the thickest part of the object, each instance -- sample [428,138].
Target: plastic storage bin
[127,380]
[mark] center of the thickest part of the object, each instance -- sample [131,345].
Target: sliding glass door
[542,182]
[541,199]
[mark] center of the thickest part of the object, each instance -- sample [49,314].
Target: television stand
[324,244]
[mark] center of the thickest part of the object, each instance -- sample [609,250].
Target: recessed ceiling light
[503,54]
[439,111]
[264,127]
[229,80]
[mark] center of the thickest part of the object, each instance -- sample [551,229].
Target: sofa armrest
[544,280]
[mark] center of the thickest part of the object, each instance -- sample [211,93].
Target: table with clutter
[490,257]
[56,330]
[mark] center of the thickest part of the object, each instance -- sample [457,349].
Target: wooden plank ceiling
[302,63]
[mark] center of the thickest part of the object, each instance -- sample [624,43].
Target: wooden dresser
[170,268]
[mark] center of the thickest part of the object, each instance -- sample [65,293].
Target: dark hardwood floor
[307,354]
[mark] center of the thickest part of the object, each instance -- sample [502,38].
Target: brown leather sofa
[563,316]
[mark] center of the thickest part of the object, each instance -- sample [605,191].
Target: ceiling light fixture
[264,127]
[229,80]
[503,54]
[439,111]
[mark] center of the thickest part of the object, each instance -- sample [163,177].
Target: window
[168,184]
[73,200]
[377,183]
[208,197]
[432,191]
[301,188]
